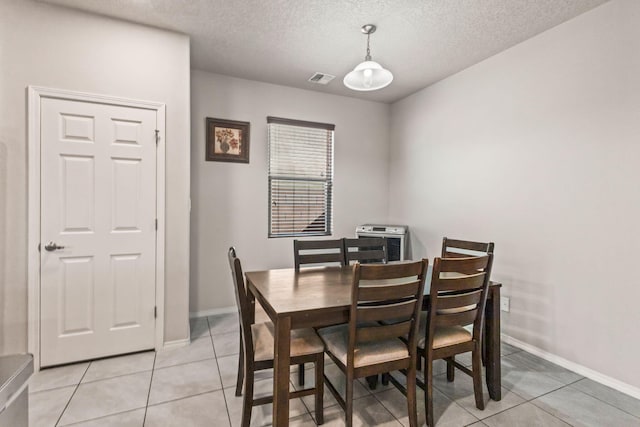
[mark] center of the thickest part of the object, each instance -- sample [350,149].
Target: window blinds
[300,177]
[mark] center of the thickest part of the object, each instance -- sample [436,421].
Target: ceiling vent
[321,78]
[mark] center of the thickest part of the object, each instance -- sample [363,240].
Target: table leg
[281,371]
[492,343]
[372,380]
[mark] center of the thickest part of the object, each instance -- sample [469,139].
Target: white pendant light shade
[368,75]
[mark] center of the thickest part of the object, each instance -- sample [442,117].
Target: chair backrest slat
[318,252]
[383,332]
[319,244]
[390,271]
[369,255]
[465,265]
[369,249]
[387,291]
[319,258]
[456,319]
[457,300]
[455,248]
[463,282]
[403,309]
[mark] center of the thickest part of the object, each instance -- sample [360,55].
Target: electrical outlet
[504,304]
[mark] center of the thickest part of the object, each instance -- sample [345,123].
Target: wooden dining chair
[258,341]
[455,248]
[318,252]
[366,250]
[366,347]
[314,252]
[458,296]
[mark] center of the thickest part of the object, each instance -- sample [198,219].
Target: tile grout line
[524,403]
[453,401]
[105,415]
[183,397]
[536,371]
[375,396]
[152,370]
[311,413]
[176,399]
[597,398]
[532,367]
[224,396]
[101,417]
[543,409]
[160,368]
[146,407]
[91,382]
[530,400]
[525,400]
[103,378]
[72,394]
[110,378]
[308,411]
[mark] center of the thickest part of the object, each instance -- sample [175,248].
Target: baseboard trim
[213,312]
[572,366]
[176,344]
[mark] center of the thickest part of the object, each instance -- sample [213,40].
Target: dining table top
[317,288]
[288,290]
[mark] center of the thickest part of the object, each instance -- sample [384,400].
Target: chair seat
[444,336]
[303,341]
[336,339]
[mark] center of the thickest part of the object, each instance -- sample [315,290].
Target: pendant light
[368,75]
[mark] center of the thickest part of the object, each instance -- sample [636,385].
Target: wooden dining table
[318,297]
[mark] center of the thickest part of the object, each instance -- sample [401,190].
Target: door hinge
[157,136]
[155,312]
[156,224]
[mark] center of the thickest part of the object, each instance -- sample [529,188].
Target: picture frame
[227,140]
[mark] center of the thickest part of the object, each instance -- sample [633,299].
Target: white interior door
[98,230]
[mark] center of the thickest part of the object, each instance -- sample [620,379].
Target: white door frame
[35,94]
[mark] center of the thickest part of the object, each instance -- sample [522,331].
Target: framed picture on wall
[227,140]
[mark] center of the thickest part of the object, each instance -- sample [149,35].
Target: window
[300,177]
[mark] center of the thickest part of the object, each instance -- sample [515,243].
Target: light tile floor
[195,386]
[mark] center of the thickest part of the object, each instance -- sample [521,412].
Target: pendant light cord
[368,57]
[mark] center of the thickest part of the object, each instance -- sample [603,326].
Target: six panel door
[98,211]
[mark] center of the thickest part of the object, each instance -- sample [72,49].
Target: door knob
[51,246]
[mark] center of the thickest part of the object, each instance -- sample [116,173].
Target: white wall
[54,47]
[537,149]
[230,200]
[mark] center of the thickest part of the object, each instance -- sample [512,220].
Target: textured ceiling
[286,41]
